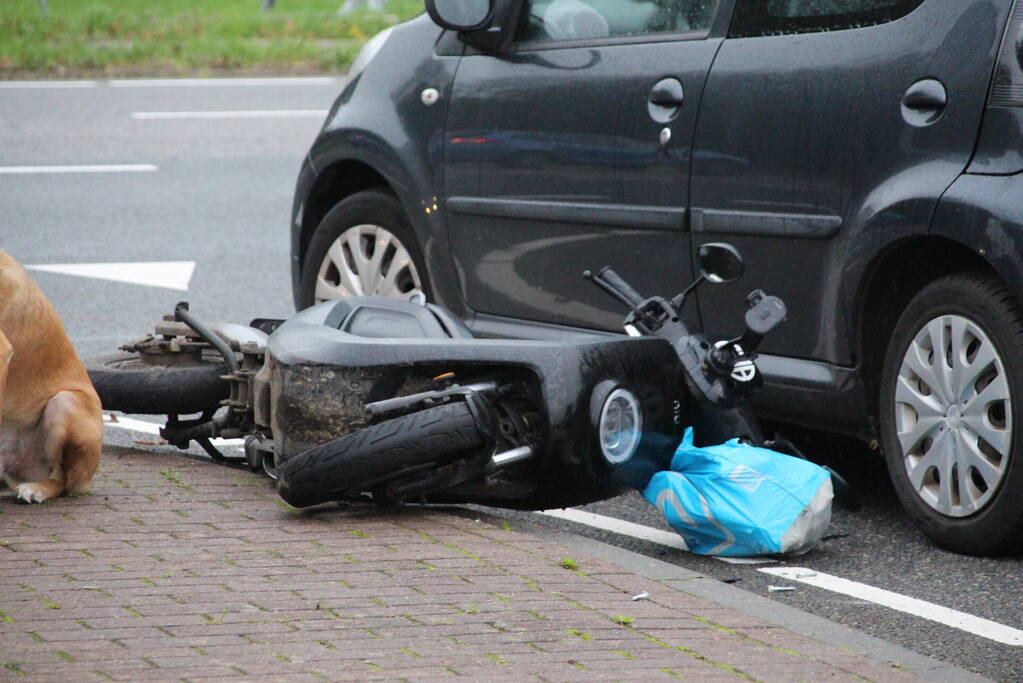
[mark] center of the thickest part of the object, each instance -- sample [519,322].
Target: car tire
[364,246]
[952,420]
[128,383]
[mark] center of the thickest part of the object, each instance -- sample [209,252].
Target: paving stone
[179,569]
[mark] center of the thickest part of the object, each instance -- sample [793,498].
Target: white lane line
[14,85]
[133,425]
[902,603]
[239,114]
[89,168]
[221,82]
[619,526]
[640,531]
[166,274]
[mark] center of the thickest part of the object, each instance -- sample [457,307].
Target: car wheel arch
[333,184]
[892,279]
[345,177]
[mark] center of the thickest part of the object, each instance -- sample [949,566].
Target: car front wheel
[364,246]
[951,414]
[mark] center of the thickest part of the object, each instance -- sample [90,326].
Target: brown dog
[51,422]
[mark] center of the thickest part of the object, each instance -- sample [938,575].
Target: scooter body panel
[321,377]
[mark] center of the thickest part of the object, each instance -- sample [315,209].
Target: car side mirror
[461,15]
[719,262]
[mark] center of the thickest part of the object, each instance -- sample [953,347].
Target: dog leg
[72,438]
[6,352]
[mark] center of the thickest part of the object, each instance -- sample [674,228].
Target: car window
[776,17]
[550,20]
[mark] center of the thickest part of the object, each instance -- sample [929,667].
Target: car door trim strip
[594,213]
[766,224]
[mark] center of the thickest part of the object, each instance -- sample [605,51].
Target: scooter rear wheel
[127,382]
[368,458]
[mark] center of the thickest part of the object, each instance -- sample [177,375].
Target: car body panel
[554,165]
[835,172]
[985,212]
[381,121]
[993,156]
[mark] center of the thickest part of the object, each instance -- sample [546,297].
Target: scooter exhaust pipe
[512,456]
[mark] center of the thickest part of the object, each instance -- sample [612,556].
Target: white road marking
[220,82]
[87,168]
[618,526]
[902,603]
[167,274]
[14,85]
[640,531]
[239,114]
[178,82]
[131,424]
[747,560]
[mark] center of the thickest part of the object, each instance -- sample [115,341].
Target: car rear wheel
[364,246]
[952,414]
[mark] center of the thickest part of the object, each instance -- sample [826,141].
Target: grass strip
[185,37]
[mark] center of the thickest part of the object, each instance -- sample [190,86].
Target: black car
[865,156]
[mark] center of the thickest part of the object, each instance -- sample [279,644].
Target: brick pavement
[177,569]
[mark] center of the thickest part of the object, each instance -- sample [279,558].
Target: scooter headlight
[620,426]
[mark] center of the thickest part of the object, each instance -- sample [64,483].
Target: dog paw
[29,493]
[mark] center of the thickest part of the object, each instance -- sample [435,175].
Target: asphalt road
[220,196]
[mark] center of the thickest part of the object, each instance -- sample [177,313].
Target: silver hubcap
[953,415]
[367,260]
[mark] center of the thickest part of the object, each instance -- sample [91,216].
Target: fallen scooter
[607,414]
[398,400]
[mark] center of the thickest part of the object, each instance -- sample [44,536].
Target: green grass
[184,36]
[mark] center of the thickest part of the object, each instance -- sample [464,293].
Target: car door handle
[665,99]
[924,102]
[667,93]
[925,94]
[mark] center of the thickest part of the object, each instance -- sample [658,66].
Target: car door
[571,150]
[828,129]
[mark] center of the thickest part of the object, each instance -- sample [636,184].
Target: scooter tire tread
[361,460]
[123,382]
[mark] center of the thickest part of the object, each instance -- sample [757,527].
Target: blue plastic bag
[737,500]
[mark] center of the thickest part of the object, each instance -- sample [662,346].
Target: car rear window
[778,17]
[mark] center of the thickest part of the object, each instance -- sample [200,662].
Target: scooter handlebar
[612,283]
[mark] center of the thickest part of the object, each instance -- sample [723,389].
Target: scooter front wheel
[363,460]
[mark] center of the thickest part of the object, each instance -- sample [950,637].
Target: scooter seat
[379,317]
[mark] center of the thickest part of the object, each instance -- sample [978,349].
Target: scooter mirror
[719,262]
